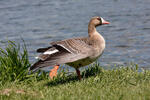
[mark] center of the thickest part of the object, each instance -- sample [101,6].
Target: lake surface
[39,22]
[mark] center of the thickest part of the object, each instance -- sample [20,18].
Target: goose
[75,52]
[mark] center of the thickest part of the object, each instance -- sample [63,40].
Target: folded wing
[62,52]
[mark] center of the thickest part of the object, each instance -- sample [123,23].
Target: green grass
[121,83]
[14,64]
[118,84]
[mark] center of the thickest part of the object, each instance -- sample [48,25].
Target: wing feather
[69,51]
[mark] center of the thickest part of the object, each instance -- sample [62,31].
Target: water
[39,22]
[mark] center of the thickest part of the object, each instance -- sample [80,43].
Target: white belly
[82,62]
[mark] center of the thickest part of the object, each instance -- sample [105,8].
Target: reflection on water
[39,22]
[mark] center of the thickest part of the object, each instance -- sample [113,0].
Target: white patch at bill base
[102,20]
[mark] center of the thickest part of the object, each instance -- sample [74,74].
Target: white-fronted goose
[75,52]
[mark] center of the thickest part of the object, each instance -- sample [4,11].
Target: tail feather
[41,50]
[36,65]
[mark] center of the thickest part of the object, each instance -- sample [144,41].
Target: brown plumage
[75,52]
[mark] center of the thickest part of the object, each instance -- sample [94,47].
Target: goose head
[96,21]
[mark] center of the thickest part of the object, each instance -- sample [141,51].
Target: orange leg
[78,73]
[53,72]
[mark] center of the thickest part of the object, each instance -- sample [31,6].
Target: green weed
[14,64]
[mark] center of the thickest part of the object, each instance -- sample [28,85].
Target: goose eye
[98,18]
